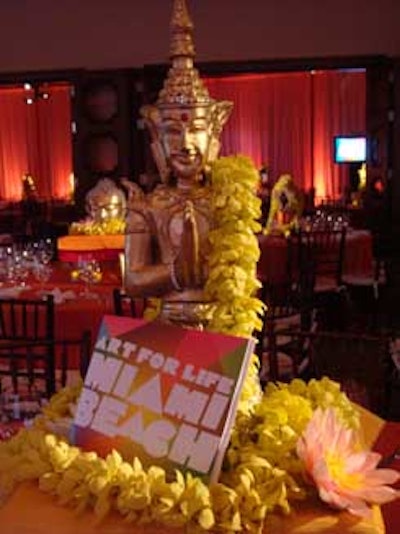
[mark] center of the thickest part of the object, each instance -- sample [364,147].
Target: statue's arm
[145,274]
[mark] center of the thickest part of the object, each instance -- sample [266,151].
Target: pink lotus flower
[346,476]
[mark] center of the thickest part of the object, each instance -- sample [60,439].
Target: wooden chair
[24,365]
[325,248]
[361,363]
[25,321]
[366,294]
[65,350]
[124,305]
[288,308]
[31,319]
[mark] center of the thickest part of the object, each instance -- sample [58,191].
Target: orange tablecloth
[387,440]
[358,256]
[29,511]
[100,247]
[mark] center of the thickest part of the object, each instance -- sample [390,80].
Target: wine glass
[45,251]
[19,267]
[42,273]
[90,273]
[3,265]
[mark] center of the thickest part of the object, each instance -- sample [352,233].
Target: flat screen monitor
[350,148]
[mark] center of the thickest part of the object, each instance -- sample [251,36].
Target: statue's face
[185,135]
[185,139]
[113,209]
[105,201]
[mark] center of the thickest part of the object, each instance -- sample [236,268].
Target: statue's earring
[213,151]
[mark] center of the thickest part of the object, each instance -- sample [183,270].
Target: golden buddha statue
[166,237]
[105,201]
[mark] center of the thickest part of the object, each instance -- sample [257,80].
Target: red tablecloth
[76,313]
[358,255]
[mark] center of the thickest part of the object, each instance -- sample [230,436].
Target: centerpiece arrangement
[290,444]
[281,450]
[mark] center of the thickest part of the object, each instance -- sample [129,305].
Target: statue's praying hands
[188,262]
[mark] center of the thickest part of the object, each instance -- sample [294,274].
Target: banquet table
[100,247]
[358,255]
[42,513]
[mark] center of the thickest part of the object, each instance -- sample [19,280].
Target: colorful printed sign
[165,394]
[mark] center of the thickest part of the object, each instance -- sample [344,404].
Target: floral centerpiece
[282,449]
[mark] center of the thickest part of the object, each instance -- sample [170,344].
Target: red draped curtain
[36,139]
[339,108]
[287,121]
[13,142]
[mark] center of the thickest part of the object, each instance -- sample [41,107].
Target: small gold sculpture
[357,197]
[29,191]
[105,201]
[166,242]
[286,207]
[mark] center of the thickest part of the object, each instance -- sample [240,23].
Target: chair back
[27,319]
[24,369]
[66,350]
[325,249]
[359,362]
[293,293]
[288,305]
[124,305]
[24,325]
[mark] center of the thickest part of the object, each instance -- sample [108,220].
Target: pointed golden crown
[183,85]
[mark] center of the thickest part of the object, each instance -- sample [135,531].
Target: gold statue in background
[105,201]
[286,207]
[166,242]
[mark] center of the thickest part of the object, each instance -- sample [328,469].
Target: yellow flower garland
[261,474]
[232,280]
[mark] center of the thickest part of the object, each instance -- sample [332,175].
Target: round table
[42,513]
[358,256]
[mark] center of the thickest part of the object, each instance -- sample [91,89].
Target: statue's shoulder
[203,196]
[134,192]
[138,217]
